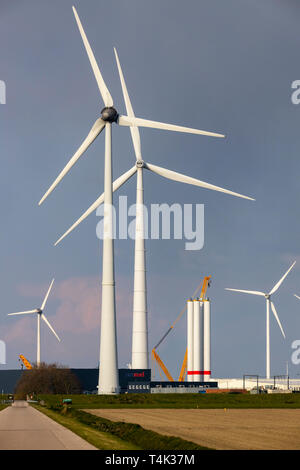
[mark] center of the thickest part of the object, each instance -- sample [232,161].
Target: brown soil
[273,429]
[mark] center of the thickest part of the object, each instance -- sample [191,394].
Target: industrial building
[130,380]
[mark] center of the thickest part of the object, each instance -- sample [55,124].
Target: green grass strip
[178,401]
[133,433]
[129,434]
[101,440]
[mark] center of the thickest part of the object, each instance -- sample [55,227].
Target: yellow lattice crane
[25,361]
[155,357]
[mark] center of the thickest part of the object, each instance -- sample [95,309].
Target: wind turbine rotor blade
[135,134]
[116,185]
[297,296]
[47,295]
[106,96]
[138,122]
[281,280]
[254,292]
[173,175]
[94,132]
[48,324]
[277,318]
[24,313]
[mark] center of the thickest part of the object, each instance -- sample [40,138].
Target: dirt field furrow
[272,429]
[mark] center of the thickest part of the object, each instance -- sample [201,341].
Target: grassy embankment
[3,405]
[105,434]
[101,440]
[155,400]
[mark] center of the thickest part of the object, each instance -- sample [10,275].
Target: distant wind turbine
[268,303]
[40,315]
[297,296]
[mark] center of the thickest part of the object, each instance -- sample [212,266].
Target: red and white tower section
[198,340]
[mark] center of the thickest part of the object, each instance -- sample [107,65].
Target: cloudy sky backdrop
[213,65]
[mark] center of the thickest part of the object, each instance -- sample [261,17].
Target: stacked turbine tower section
[198,340]
[190,340]
[206,340]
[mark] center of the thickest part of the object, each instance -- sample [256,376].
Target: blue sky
[220,66]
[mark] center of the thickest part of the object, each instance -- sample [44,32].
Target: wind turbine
[297,296]
[268,303]
[108,373]
[140,359]
[40,315]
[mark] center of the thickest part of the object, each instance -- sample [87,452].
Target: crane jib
[171,327]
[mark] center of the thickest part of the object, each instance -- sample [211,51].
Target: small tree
[48,379]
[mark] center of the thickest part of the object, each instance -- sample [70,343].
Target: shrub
[47,379]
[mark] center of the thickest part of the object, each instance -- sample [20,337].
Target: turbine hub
[140,164]
[109,114]
[267,296]
[39,311]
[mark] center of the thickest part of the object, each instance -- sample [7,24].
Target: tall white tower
[140,359]
[206,340]
[198,341]
[190,340]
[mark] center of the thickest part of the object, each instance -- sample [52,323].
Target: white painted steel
[206,340]
[190,340]
[108,373]
[268,358]
[140,359]
[140,354]
[197,341]
[38,342]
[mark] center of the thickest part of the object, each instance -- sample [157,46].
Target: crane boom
[162,366]
[25,361]
[205,284]
[183,368]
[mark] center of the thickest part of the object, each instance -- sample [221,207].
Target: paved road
[24,428]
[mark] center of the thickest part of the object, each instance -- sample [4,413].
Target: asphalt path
[22,427]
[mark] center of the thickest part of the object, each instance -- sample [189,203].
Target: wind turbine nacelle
[39,311]
[109,114]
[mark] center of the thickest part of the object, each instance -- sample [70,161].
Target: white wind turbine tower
[268,303]
[108,373]
[140,359]
[40,315]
